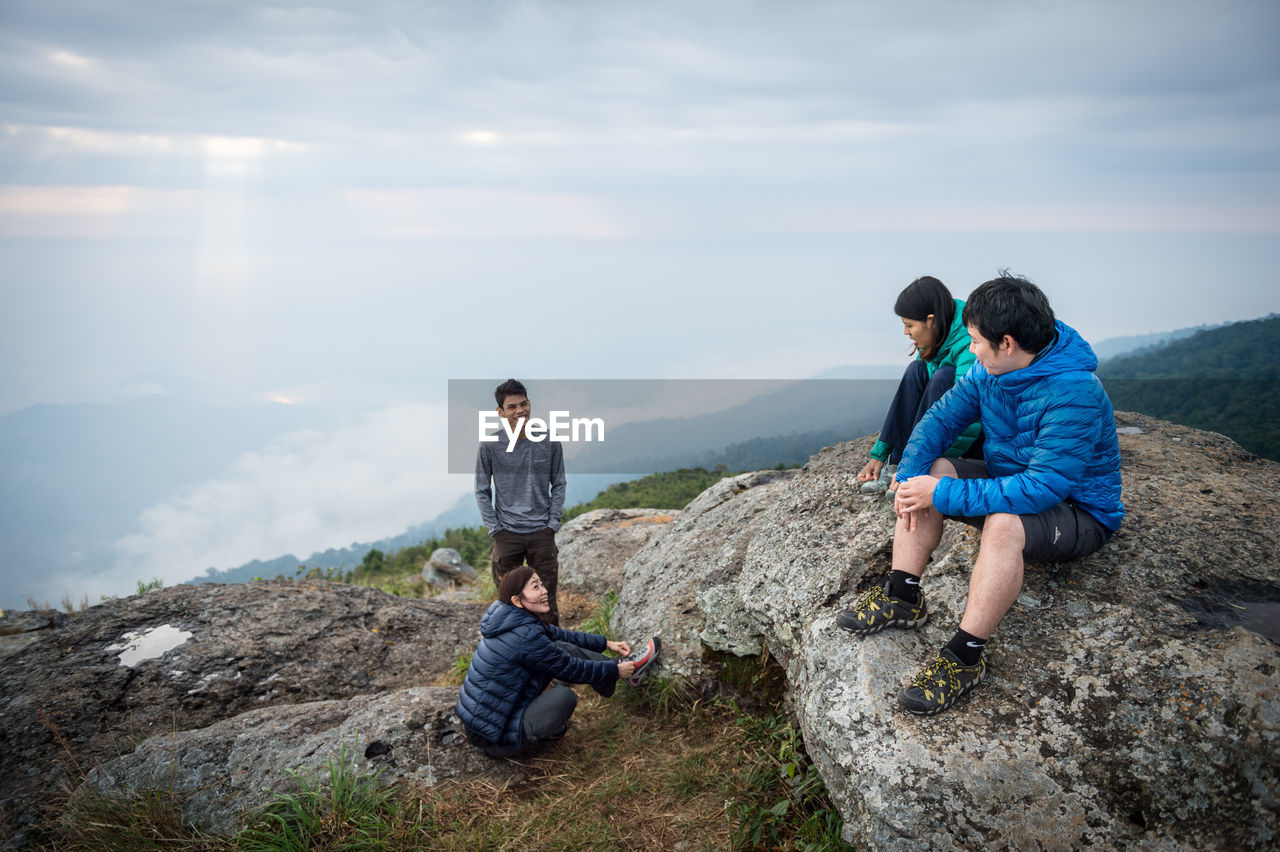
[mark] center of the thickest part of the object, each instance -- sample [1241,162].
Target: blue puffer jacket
[1050,436]
[513,665]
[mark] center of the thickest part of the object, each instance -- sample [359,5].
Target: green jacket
[954,350]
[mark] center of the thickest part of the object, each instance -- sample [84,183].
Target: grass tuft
[457,672]
[338,808]
[598,620]
[145,820]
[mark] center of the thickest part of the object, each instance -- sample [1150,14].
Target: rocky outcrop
[19,629]
[445,567]
[1132,702]
[15,623]
[200,654]
[1132,699]
[683,585]
[225,771]
[594,546]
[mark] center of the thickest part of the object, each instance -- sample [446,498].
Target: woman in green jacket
[931,318]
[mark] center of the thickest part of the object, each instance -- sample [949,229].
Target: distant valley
[77,477]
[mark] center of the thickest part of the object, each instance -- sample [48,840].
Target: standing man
[520,492]
[1048,491]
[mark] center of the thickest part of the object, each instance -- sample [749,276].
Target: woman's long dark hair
[927,295]
[512,586]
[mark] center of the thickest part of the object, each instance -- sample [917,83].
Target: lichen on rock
[1132,697]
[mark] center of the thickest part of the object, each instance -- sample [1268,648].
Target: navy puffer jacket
[513,664]
[1050,436]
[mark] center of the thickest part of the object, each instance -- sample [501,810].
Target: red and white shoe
[644,660]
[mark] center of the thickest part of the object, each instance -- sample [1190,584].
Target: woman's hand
[619,648]
[871,471]
[626,669]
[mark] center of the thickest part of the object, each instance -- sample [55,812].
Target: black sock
[967,647]
[904,586]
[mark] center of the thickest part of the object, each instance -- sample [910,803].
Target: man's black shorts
[1058,534]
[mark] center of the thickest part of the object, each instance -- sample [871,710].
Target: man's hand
[619,648]
[914,498]
[871,471]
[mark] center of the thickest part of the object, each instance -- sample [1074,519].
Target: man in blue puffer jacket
[1047,491]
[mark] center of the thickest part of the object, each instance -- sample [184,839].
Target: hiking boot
[941,683]
[881,484]
[644,659]
[875,611]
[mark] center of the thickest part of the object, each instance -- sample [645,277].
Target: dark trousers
[916,392]
[547,716]
[512,549]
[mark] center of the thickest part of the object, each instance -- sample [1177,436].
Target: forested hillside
[1224,379]
[671,490]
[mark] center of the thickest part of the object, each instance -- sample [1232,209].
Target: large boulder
[199,654]
[595,545]
[683,584]
[223,772]
[1118,711]
[445,567]
[1132,698]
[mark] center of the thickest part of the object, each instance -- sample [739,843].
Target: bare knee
[1002,527]
[943,467]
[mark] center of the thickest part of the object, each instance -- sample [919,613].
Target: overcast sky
[347,204]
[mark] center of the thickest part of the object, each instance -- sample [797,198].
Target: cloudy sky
[347,204]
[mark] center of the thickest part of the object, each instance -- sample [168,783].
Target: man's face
[994,358]
[513,408]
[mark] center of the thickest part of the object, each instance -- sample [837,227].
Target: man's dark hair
[1014,306]
[509,388]
[927,295]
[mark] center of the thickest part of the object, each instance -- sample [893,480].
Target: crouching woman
[504,701]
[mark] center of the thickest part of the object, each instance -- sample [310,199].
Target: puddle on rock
[138,646]
[1254,606]
[1262,617]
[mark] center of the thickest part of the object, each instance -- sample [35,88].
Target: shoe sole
[936,710]
[901,623]
[643,668]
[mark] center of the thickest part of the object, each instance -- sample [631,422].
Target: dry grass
[644,770]
[619,780]
[574,607]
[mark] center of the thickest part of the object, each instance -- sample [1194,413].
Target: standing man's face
[513,408]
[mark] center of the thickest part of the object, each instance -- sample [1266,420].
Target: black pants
[916,392]
[1060,533]
[512,549]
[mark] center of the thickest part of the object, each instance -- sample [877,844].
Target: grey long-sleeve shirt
[522,490]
